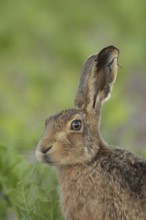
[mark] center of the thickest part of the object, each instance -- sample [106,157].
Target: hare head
[72,136]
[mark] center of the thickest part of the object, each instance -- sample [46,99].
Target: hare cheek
[60,136]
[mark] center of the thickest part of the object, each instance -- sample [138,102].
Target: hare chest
[77,195]
[94,195]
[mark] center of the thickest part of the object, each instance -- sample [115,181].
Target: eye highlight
[76,125]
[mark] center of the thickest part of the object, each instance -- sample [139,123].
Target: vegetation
[43,45]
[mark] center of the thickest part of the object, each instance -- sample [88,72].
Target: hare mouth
[48,160]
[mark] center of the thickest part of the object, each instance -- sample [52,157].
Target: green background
[43,45]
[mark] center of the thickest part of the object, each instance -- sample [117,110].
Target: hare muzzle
[42,152]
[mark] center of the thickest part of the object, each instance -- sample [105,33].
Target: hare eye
[76,125]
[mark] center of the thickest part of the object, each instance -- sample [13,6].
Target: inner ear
[97,79]
[81,98]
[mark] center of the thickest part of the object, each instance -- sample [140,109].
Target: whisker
[31,157]
[120,66]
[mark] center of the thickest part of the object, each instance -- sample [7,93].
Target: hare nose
[44,151]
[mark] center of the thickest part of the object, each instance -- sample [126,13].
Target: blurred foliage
[43,45]
[27,189]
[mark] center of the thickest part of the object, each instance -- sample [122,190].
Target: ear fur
[97,78]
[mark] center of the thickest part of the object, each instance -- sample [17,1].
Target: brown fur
[97,182]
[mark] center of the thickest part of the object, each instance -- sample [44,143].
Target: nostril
[44,151]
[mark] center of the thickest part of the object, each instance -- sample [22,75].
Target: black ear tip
[110,49]
[113,48]
[106,55]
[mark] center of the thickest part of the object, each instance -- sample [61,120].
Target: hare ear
[98,76]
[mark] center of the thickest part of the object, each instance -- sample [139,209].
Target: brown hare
[97,182]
